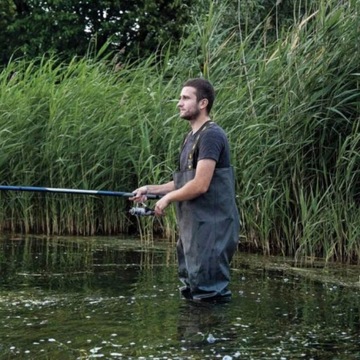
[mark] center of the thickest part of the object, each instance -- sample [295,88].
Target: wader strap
[190,159]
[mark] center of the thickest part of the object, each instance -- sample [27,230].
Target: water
[114,299]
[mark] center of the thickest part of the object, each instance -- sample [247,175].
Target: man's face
[188,104]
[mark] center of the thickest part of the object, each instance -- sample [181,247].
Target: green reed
[290,108]
[305,96]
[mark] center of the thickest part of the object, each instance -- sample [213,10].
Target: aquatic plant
[290,107]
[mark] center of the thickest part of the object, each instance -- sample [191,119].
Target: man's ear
[203,103]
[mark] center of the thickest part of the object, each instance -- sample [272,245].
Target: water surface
[110,298]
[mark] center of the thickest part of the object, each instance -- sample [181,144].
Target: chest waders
[209,234]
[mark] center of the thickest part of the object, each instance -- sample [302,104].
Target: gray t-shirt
[212,144]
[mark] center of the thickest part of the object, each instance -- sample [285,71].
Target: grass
[290,107]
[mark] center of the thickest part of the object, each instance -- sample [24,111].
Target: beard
[191,115]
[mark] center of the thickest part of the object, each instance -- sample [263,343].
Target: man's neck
[199,122]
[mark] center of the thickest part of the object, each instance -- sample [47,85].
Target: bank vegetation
[290,107]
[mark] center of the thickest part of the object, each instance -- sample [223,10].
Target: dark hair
[204,90]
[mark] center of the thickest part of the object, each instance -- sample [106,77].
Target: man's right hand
[140,194]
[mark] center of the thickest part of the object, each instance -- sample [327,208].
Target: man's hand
[140,194]
[161,205]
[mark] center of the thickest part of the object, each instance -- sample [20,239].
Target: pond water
[110,298]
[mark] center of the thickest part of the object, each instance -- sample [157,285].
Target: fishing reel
[142,210]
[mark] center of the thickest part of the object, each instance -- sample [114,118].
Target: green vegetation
[71,28]
[290,107]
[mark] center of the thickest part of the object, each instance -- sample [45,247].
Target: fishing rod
[138,211]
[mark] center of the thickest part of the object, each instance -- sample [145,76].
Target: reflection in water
[110,298]
[199,320]
[201,330]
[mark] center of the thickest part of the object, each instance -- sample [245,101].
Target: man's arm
[199,185]
[140,193]
[161,189]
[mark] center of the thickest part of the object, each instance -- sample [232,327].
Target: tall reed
[290,108]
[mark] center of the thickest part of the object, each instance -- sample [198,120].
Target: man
[203,192]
